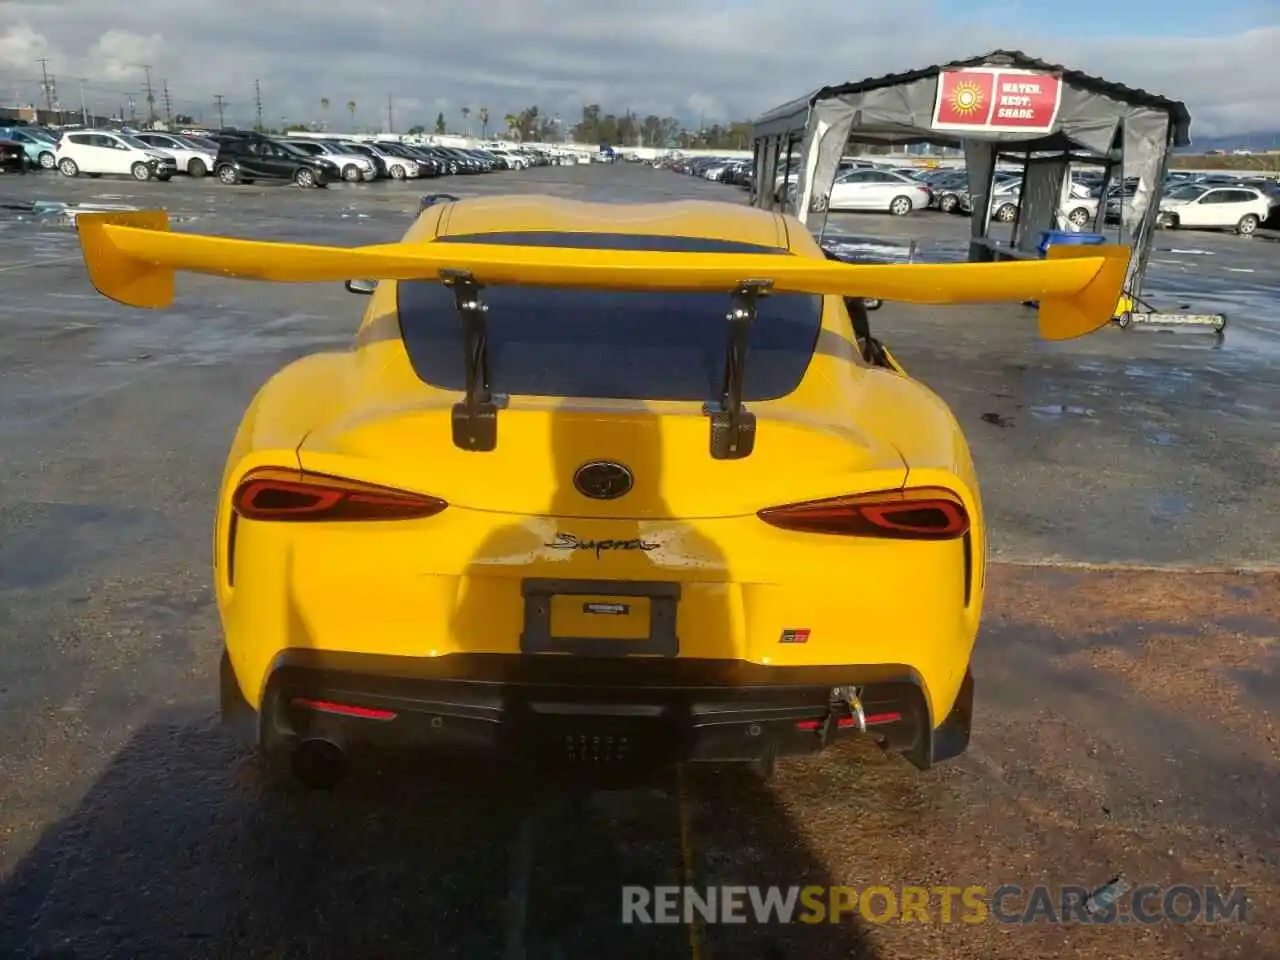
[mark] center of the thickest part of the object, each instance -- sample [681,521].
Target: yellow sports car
[599,482]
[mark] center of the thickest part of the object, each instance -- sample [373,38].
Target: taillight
[296,495]
[924,513]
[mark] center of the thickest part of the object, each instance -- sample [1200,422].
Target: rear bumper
[568,708]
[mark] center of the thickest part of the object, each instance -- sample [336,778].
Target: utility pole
[151,99]
[84,104]
[47,83]
[168,105]
[257,99]
[220,102]
[390,127]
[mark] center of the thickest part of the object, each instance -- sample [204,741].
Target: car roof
[701,219]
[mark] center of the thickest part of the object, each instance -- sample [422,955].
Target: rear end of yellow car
[598,583]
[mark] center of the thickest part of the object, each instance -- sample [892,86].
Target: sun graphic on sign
[966,97]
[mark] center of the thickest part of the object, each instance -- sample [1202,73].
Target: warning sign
[991,100]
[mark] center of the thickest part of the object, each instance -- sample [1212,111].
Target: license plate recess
[581,605]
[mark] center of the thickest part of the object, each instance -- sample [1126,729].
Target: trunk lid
[664,447]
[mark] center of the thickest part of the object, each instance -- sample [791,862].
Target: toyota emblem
[603,480]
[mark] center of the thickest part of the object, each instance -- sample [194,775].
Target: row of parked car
[238,156]
[1211,201]
[1204,201]
[859,185]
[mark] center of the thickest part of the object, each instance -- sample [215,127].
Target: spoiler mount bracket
[733,428]
[475,418]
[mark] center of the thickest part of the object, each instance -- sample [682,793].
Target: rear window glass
[593,343]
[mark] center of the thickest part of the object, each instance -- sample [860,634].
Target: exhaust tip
[320,764]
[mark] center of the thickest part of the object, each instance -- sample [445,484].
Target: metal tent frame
[1095,121]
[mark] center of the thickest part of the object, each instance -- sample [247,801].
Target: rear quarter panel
[925,431]
[277,420]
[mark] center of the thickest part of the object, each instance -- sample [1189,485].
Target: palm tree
[351,109]
[324,112]
[466,128]
[484,122]
[512,122]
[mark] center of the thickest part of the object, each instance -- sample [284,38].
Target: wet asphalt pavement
[1125,723]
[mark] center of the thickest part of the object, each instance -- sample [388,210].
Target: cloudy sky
[712,59]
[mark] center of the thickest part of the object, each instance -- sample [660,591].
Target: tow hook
[856,709]
[843,699]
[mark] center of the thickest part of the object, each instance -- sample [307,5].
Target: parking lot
[1126,675]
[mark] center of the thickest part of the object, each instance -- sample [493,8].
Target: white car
[1214,208]
[398,168]
[881,190]
[1080,210]
[785,182]
[98,152]
[1005,192]
[192,159]
[514,160]
[394,161]
[1005,199]
[354,166]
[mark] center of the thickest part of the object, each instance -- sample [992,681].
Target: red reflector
[925,513]
[295,495]
[872,719]
[344,709]
[845,722]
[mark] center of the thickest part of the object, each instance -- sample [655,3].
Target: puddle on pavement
[1146,398]
[58,213]
[207,341]
[1167,506]
[1055,411]
[866,249]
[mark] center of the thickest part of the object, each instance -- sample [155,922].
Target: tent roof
[782,116]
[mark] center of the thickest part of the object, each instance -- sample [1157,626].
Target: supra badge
[603,480]
[567,541]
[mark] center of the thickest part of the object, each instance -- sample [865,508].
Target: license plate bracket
[662,596]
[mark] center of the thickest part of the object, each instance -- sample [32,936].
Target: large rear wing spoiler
[132,258]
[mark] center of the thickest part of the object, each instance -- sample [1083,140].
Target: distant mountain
[1245,141]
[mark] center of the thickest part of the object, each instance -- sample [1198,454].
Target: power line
[47,83]
[84,103]
[257,99]
[221,102]
[151,99]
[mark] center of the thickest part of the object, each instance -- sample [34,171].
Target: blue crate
[1049,237]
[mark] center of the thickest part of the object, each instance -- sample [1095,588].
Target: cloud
[719,59]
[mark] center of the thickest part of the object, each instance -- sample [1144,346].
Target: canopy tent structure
[1001,106]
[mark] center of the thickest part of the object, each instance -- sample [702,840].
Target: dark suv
[246,158]
[13,157]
